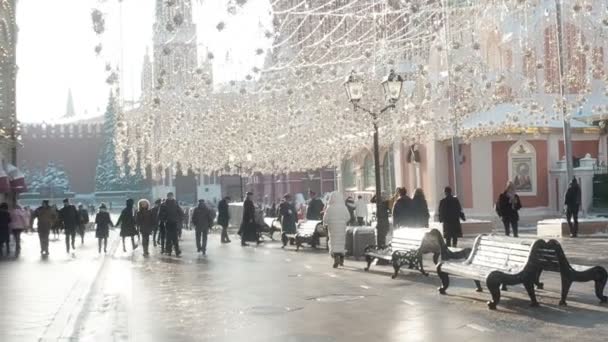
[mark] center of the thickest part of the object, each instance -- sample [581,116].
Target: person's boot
[341,259]
[336,261]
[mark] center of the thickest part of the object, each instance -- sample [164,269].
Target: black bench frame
[413,258]
[553,259]
[494,280]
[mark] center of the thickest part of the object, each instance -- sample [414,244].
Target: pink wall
[581,147]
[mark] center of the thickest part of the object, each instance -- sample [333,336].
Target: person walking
[155,210]
[420,210]
[20,220]
[315,208]
[103,222]
[83,216]
[202,220]
[402,210]
[145,221]
[47,216]
[335,218]
[171,214]
[507,208]
[69,218]
[287,217]
[450,214]
[248,230]
[361,211]
[126,221]
[223,218]
[573,205]
[5,230]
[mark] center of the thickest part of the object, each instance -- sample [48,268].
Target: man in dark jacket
[171,214]
[68,215]
[315,208]
[83,217]
[155,211]
[573,205]
[202,219]
[223,218]
[402,210]
[450,214]
[248,230]
[507,208]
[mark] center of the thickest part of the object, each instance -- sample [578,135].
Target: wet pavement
[266,293]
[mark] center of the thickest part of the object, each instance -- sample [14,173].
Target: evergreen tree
[107,175]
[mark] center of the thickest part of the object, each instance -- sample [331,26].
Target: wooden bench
[497,260]
[308,232]
[409,245]
[553,259]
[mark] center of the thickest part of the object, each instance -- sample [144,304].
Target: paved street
[270,294]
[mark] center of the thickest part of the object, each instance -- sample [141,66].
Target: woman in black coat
[103,222]
[248,229]
[126,221]
[420,210]
[450,214]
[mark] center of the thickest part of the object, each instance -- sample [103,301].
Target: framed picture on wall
[522,168]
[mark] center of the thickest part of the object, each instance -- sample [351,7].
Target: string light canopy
[461,60]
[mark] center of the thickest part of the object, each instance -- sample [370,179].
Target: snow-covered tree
[107,175]
[53,179]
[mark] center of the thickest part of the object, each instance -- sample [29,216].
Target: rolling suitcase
[349,240]
[361,238]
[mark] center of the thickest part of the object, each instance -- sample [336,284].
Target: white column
[437,171]
[398,156]
[552,158]
[481,166]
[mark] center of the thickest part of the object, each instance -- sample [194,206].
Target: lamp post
[562,90]
[391,85]
[239,167]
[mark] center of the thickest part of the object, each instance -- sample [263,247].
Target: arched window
[522,168]
[369,173]
[388,174]
[348,175]
[574,59]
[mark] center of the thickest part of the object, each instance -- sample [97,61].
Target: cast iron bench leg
[566,283]
[396,267]
[369,260]
[494,287]
[600,283]
[529,285]
[445,281]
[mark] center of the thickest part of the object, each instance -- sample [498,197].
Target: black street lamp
[392,85]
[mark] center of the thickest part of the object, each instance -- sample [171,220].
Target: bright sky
[55,49]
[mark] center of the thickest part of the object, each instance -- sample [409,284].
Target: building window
[522,168]
[369,173]
[348,175]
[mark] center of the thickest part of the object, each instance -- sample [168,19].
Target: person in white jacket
[335,218]
[361,211]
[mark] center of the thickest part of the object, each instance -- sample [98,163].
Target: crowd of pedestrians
[163,222]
